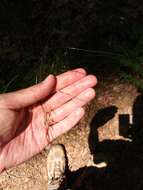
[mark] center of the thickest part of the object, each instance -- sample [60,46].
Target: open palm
[31,118]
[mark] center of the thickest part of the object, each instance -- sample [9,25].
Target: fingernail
[80,70]
[48,78]
[79,111]
[89,93]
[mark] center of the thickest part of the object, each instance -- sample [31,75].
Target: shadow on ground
[124,159]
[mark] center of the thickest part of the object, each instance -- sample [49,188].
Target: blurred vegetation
[42,37]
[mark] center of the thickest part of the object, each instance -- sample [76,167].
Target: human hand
[31,118]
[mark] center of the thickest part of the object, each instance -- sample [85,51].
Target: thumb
[26,97]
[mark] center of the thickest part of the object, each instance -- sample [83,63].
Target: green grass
[23,78]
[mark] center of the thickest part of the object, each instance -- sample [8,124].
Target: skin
[31,118]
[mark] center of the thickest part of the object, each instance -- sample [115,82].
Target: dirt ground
[99,145]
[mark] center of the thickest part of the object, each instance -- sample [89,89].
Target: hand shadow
[124,159]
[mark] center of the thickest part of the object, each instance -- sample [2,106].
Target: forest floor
[102,137]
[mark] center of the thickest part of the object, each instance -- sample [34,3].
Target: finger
[66,124]
[79,101]
[66,94]
[69,77]
[26,97]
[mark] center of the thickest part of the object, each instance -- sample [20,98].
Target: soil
[105,148]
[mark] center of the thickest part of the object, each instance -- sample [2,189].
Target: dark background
[36,39]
